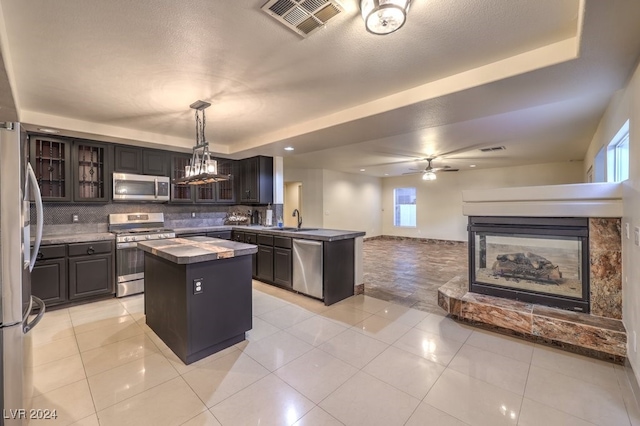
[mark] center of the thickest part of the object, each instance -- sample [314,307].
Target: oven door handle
[155,188]
[126,245]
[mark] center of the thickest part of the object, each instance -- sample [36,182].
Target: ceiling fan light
[429,175]
[384,16]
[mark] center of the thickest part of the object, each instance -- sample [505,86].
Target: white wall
[291,202]
[439,203]
[337,200]
[625,105]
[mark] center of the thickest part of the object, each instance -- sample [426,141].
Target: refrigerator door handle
[37,302]
[39,216]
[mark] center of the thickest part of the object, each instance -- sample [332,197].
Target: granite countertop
[196,249]
[49,239]
[310,234]
[206,228]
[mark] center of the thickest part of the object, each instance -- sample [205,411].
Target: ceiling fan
[429,173]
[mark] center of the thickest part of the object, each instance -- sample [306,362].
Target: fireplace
[535,260]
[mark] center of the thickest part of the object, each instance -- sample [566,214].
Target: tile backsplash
[94,217]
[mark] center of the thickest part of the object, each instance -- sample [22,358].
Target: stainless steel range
[129,229]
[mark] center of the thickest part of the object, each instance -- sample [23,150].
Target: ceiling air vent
[303,16]
[493,148]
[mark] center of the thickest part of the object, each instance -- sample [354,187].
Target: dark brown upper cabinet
[181,193]
[256,180]
[155,162]
[51,162]
[226,190]
[91,181]
[127,159]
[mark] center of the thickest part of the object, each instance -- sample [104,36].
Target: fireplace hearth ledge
[590,335]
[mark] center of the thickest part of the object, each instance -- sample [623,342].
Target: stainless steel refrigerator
[18,186]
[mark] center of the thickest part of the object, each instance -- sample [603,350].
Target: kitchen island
[198,293]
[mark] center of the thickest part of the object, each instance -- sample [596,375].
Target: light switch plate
[636,234]
[197,285]
[626,230]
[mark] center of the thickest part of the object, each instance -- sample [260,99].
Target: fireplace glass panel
[532,263]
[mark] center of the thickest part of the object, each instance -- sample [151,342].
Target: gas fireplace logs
[528,266]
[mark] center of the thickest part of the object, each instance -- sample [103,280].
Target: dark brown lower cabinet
[265,263]
[49,281]
[282,262]
[91,269]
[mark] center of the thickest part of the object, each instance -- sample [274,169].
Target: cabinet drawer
[250,238]
[265,240]
[83,249]
[51,252]
[225,235]
[284,242]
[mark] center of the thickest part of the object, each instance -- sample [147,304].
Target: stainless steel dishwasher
[307,267]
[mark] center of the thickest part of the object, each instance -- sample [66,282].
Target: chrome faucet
[297,212]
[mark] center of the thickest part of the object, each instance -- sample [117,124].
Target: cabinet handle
[39,256]
[90,250]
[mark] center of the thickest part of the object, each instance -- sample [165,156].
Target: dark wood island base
[197,320]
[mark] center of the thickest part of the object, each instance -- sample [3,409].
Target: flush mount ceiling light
[384,16]
[202,169]
[289,148]
[47,130]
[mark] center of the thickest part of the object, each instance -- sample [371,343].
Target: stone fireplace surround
[601,333]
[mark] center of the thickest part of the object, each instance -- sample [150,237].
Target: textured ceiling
[123,70]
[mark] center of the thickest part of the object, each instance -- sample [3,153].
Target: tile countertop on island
[308,234]
[196,249]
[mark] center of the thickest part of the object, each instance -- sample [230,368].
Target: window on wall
[404,207]
[618,155]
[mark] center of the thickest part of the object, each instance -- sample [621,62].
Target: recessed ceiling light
[362,170]
[473,165]
[288,148]
[47,130]
[386,174]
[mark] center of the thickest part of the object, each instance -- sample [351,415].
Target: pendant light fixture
[384,16]
[202,169]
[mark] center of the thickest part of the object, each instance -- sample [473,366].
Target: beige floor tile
[354,348]
[286,316]
[94,306]
[271,402]
[364,303]
[276,350]
[203,419]
[601,373]
[51,331]
[593,403]
[71,403]
[80,318]
[316,374]
[474,401]
[425,414]
[346,315]
[534,413]
[116,354]
[115,385]
[316,330]
[403,314]
[495,369]
[133,304]
[445,327]
[86,327]
[263,303]
[91,420]
[503,345]
[381,329]
[55,350]
[403,370]
[260,329]
[171,403]
[365,400]
[318,417]
[429,346]
[51,315]
[106,335]
[217,380]
[56,374]
[629,397]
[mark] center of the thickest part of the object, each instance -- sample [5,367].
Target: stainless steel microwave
[130,187]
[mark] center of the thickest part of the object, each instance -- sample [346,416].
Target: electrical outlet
[75,218]
[626,230]
[636,236]
[635,342]
[193,214]
[197,285]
